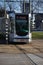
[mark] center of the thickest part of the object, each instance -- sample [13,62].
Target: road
[14,59]
[22,54]
[20,59]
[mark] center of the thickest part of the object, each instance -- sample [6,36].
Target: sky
[37,6]
[14,6]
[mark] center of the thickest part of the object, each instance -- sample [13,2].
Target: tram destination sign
[21,16]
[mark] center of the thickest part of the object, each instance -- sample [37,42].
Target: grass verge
[37,35]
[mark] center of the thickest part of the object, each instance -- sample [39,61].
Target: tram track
[27,54]
[37,55]
[24,52]
[38,50]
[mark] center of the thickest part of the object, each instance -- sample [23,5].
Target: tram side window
[11,25]
[2,13]
[12,28]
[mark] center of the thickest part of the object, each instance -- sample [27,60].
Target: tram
[21,28]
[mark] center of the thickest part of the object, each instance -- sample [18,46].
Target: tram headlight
[29,14]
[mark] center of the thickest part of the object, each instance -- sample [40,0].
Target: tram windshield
[21,25]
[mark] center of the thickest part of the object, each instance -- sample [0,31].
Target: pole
[23,6]
[30,36]
[6,24]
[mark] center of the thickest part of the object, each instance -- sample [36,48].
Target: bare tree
[37,6]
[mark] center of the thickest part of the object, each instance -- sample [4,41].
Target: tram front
[21,28]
